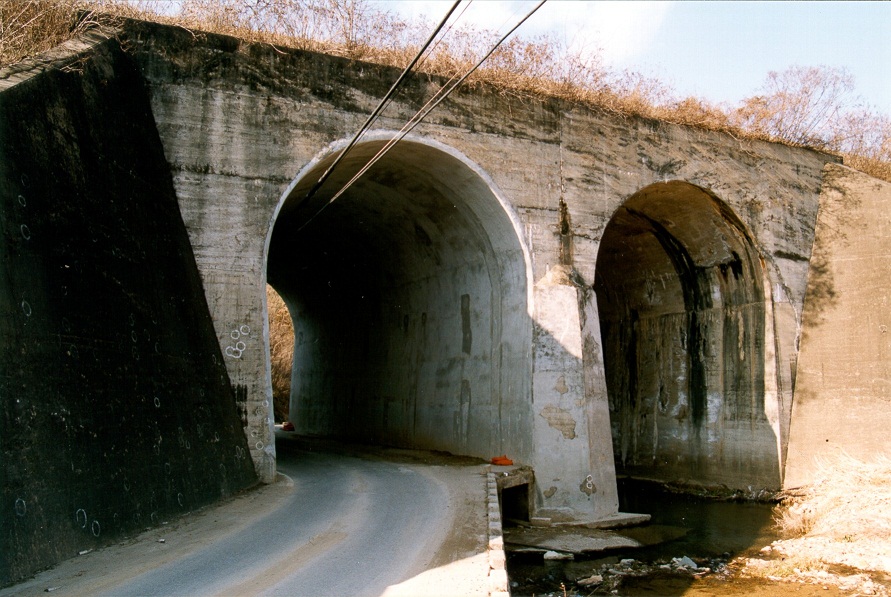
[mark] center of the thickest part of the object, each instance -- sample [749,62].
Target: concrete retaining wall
[843,388]
[116,410]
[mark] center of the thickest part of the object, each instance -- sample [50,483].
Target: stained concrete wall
[684,339]
[409,288]
[115,408]
[843,388]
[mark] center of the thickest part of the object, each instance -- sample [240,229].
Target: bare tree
[801,104]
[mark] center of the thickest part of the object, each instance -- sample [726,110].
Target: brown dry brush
[281,350]
[849,501]
[28,27]
[809,106]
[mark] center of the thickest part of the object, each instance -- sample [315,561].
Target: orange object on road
[502,460]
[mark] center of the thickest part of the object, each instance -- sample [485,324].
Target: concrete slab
[564,539]
[584,540]
[618,520]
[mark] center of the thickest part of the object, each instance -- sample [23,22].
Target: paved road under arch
[338,523]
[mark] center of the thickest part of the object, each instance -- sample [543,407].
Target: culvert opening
[515,505]
[680,294]
[408,296]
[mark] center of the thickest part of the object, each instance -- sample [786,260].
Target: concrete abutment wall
[842,403]
[116,411]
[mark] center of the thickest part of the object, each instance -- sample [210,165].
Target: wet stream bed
[689,542]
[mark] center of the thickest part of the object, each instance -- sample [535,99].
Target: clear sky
[719,51]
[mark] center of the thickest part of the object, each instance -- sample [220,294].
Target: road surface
[337,523]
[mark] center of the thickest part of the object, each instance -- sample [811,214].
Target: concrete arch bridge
[582,291]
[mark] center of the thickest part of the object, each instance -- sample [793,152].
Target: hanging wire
[383,103]
[415,120]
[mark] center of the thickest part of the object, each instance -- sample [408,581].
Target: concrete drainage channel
[497,560]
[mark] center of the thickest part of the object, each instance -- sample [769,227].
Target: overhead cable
[420,115]
[383,103]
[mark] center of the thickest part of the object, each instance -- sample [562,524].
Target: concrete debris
[684,562]
[557,555]
[594,579]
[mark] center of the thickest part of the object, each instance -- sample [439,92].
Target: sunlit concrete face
[409,301]
[682,309]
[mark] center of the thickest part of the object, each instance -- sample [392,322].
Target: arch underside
[680,294]
[408,296]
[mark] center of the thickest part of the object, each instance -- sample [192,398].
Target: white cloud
[621,30]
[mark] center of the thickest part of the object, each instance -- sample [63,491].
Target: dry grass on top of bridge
[806,106]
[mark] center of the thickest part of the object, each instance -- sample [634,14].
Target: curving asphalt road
[347,525]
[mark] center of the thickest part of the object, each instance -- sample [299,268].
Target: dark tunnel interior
[408,297]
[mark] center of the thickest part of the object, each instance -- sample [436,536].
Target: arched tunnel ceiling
[702,224]
[681,305]
[410,209]
[660,243]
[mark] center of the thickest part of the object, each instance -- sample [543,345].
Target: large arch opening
[409,298]
[682,307]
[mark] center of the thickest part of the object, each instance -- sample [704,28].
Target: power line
[383,103]
[419,116]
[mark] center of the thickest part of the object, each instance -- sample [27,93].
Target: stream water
[707,531]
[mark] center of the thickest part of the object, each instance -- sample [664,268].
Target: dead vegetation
[30,27]
[281,350]
[827,507]
[838,529]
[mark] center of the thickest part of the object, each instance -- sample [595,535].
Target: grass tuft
[850,502]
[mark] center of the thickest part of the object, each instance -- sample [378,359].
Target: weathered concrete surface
[843,388]
[447,300]
[116,409]
[420,293]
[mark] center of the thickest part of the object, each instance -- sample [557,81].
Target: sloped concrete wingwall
[115,408]
[241,124]
[843,388]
